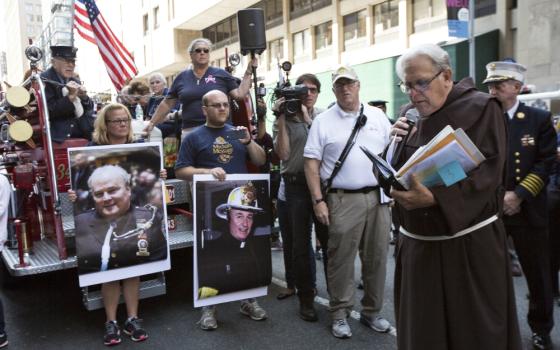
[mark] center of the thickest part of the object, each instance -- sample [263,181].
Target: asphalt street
[45,312]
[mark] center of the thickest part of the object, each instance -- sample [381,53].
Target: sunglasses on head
[199,50]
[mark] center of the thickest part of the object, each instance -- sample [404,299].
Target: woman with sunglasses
[191,84]
[113,127]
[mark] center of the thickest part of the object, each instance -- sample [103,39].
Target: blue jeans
[300,217]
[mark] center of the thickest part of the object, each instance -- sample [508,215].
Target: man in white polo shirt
[351,208]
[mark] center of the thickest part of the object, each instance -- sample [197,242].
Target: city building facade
[317,35]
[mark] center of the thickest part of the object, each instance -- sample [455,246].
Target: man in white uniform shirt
[351,208]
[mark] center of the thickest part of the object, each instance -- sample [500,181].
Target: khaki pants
[357,223]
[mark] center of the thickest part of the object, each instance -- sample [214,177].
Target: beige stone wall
[538,42]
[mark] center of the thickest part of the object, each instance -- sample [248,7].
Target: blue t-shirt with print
[189,90]
[209,148]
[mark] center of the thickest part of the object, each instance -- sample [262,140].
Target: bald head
[215,106]
[211,96]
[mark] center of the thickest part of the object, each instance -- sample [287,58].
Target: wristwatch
[318,200]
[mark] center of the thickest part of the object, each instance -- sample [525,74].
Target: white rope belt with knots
[457,235]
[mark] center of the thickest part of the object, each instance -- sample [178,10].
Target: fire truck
[40,233]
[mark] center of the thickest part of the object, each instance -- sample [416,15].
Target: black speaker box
[250,25]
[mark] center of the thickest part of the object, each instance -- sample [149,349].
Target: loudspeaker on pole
[250,25]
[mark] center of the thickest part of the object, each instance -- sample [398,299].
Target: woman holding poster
[110,188]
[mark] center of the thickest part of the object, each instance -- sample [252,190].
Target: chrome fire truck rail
[44,258]
[45,255]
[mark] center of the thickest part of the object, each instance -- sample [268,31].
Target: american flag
[91,25]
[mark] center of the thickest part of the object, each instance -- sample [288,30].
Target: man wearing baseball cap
[531,152]
[351,205]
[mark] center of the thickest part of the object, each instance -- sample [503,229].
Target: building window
[210,34]
[275,52]
[39,18]
[423,9]
[145,24]
[170,9]
[299,8]
[28,8]
[323,35]
[301,43]
[222,33]
[354,25]
[484,8]
[37,8]
[30,18]
[386,15]
[156,17]
[273,12]
[30,31]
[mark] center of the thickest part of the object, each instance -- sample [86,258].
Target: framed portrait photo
[232,225]
[120,215]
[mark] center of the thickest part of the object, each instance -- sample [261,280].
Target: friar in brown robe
[454,293]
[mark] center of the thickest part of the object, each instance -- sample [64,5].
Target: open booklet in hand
[383,172]
[445,160]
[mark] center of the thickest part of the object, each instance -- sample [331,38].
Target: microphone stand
[256,87]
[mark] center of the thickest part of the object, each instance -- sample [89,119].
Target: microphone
[411,117]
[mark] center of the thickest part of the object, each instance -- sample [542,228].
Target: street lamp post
[472,59]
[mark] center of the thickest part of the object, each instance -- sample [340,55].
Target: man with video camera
[295,110]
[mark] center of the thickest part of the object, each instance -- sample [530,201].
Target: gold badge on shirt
[142,244]
[520,115]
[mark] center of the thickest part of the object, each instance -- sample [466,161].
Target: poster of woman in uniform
[119,213]
[232,241]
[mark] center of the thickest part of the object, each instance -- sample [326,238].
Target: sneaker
[541,341]
[112,334]
[133,328]
[341,329]
[378,324]
[208,320]
[3,340]
[253,310]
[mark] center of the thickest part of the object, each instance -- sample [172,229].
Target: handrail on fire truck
[47,130]
[540,95]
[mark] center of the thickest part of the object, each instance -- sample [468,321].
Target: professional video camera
[293,95]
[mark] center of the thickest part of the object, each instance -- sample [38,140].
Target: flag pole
[72,26]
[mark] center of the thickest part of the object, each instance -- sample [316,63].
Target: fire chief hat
[504,70]
[68,52]
[242,198]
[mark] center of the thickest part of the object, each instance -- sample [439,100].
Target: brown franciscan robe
[458,293]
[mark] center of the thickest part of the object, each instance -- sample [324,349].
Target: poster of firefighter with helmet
[232,238]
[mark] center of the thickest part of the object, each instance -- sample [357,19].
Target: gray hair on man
[197,41]
[107,172]
[438,56]
[157,75]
